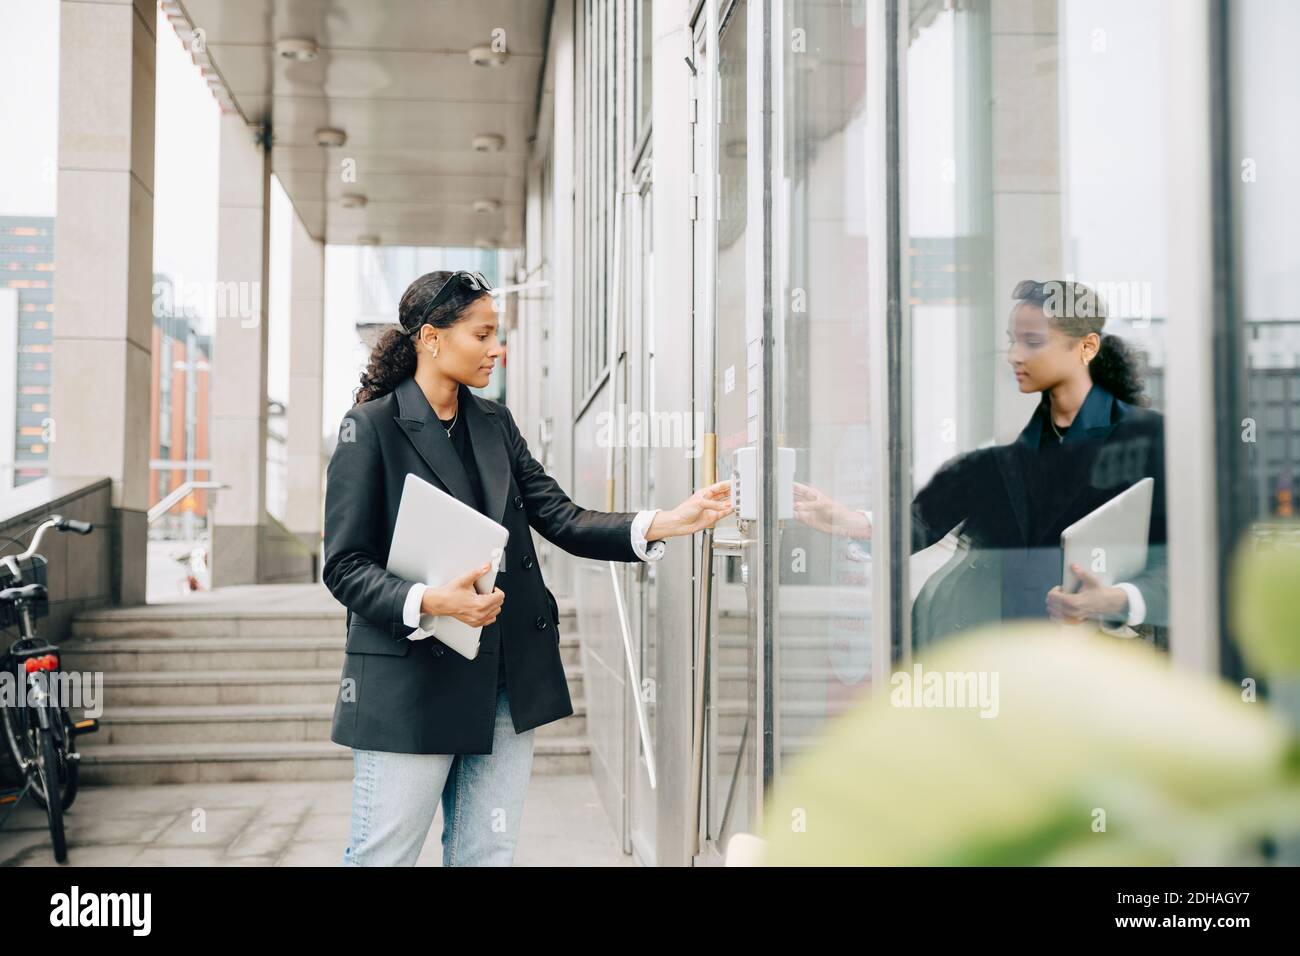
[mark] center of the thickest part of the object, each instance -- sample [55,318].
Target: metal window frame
[888,336]
[1195,545]
[896,425]
[760,263]
[1232,477]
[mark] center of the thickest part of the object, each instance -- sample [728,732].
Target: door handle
[730,542]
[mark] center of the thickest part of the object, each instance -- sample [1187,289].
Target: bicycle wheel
[21,740]
[20,726]
[69,771]
[66,766]
[47,769]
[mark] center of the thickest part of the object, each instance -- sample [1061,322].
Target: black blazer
[420,696]
[1009,563]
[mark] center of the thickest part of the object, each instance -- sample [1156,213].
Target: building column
[239,354]
[1026,179]
[306,460]
[103,263]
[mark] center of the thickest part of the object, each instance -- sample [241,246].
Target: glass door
[825,368]
[728,384]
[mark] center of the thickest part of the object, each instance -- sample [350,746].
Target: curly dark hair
[392,360]
[1076,310]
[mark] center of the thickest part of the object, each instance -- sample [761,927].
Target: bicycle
[40,733]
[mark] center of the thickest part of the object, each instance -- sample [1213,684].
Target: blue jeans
[395,797]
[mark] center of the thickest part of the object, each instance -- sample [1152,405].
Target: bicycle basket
[33,572]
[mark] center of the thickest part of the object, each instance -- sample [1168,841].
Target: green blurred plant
[1265,588]
[1100,753]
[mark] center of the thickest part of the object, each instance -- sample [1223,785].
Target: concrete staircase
[239,684]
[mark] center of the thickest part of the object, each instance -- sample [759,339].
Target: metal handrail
[177,495]
[615,344]
[643,724]
[709,467]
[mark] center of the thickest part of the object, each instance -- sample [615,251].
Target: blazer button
[437,651]
[519,501]
[528,561]
[540,622]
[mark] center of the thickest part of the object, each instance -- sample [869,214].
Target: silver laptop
[1110,542]
[439,538]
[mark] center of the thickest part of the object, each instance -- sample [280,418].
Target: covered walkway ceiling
[396,77]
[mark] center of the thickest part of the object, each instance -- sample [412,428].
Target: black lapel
[1089,431]
[1011,462]
[489,452]
[417,419]
[1096,416]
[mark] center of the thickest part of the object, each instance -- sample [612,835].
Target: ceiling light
[301,50]
[369,239]
[487,205]
[489,143]
[354,201]
[330,137]
[486,56]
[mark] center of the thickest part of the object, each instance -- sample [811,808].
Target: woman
[425,724]
[1088,440]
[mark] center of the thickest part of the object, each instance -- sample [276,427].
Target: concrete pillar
[103,261]
[239,352]
[1026,168]
[303,509]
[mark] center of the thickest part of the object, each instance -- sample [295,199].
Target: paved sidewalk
[283,824]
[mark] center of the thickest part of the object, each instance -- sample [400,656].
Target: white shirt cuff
[1137,606]
[646,551]
[411,613]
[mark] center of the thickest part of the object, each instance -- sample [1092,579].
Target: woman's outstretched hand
[701,510]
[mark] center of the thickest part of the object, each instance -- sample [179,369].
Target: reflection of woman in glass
[1088,440]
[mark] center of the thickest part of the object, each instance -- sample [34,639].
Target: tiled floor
[282,824]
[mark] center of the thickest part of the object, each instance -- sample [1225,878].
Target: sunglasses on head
[473,281]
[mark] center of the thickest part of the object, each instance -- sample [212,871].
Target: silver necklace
[453,422]
[1059,437]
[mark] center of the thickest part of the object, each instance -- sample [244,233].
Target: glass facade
[869,188]
[822,358]
[1008,178]
[1264,83]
